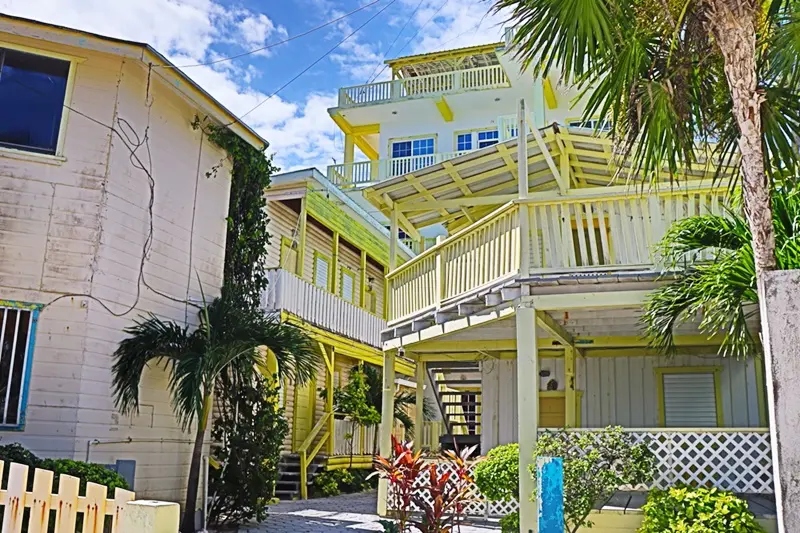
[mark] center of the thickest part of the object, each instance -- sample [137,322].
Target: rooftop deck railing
[592,230]
[361,173]
[474,79]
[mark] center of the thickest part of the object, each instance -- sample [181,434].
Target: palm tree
[723,289]
[226,341]
[670,73]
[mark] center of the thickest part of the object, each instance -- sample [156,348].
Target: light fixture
[497,99]
[394,112]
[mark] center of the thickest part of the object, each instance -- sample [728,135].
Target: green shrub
[86,472]
[497,476]
[510,523]
[696,510]
[343,481]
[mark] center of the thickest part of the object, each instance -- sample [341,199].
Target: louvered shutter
[690,400]
[348,284]
[321,272]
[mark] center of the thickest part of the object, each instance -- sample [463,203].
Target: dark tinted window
[32,89]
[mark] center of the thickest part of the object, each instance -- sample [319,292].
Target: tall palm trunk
[732,23]
[192,485]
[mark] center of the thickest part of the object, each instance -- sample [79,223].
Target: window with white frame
[689,398]
[32,92]
[487,138]
[464,142]
[17,327]
[413,147]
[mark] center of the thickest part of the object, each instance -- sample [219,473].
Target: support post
[301,236]
[387,423]
[527,412]
[419,422]
[331,364]
[779,302]
[522,150]
[349,156]
[570,415]
[362,285]
[334,282]
[147,516]
[394,237]
[550,494]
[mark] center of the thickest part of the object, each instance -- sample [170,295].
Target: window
[424,146]
[17,329]
[288,255]
[487,138]
[32,92]
[321,264]
[689,397]
[593,123]
[464,142]
[348,285]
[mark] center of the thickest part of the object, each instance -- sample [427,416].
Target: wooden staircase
[458,395]
[288,485]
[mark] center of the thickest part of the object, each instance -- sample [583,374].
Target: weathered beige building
[74,222]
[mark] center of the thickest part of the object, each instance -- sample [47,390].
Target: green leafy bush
[696,510]
[510,523]
[497,476]
[343,481]
[596,464]
[86,472]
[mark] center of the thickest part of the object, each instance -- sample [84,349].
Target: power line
[309,67]
[415,35]
[372,76]
[272,45]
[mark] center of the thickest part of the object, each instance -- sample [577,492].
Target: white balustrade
[363,438]
[737,460]
[287,292]
[366,172]
[481,78]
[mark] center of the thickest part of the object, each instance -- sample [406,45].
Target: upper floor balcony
[430,85]
[286,292]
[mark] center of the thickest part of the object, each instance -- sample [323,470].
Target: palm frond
[150,340]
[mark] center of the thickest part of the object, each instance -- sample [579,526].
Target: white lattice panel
[736,461]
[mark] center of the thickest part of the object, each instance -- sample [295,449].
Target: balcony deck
[289,293]
[444,83]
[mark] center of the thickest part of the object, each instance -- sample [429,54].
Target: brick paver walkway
[348,513]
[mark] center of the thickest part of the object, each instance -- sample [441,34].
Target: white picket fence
[738,460]
[64,511]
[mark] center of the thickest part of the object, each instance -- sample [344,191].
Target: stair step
[465,424]
[462,404]
[458,382]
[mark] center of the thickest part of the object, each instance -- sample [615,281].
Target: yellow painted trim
[334,279]
[549,94]
[286,242]
[400,62]
[347,347]
[715,370]
[358,133]
[349,148]
[761,391]
[318,255]
[362,285]
[366,148]
[302,225]
[444,109]
[366,129]
[343,461]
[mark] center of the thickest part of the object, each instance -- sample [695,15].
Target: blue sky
[296,122]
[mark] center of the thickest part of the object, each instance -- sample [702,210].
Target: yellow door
[303,419]
[552,413]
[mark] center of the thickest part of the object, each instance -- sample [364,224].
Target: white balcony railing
[367,172]
[361,438]
[474,79]
[735,459]
[287,292]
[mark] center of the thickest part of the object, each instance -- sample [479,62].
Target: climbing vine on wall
[245,275]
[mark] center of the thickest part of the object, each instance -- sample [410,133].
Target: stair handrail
[442,410]
[306,457]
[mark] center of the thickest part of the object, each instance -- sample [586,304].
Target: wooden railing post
[150,517]
[440,280]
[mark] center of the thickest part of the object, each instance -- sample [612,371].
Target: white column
[419,422]
[527,413]
[387,423]
[779,301]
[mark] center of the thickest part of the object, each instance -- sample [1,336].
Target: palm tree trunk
[192,485]
[732,23]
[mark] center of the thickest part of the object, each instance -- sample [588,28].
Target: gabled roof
[178,80]
[446,60]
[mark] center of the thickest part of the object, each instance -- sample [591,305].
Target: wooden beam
[548,323]
[302,224]
[570,406]
[549,93]
[444,109]
[455,204]
[334,282]
[362,288]
[591,300]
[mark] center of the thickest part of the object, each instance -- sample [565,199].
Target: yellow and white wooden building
[327,262]
[532,295]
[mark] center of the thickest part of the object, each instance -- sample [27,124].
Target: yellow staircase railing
[306,457]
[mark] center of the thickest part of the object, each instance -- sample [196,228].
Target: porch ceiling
[487,178]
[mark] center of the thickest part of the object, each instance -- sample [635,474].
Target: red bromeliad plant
[438,490]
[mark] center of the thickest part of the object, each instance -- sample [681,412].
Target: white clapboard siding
[690,400]
[318,306]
